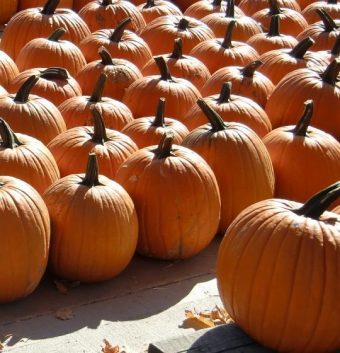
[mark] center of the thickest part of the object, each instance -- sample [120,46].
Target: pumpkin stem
[249,70]
[303,124]
[327,20]
[8,137]
[217,123]
[319,202]
[54,72]
[274,27]
[216,3]
[159,117]
[57,34]
[225,93]
[118,32]
[336,48]
[274,8]
[177,52]
[165,145]
[25,89]
[299,51]
[332,2]
[92,174]
[50,7]
[331,73]
[227,42]
[230,10]
[106,2]
[163,68]
[99,130]
[183,24]
[105,56]
[149,4]
[97,93]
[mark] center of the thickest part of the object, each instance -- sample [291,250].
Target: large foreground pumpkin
[176,197]
[278,273]
[25,237]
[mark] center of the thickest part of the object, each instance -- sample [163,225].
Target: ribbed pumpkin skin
[161,8]
[25,237]
[8,69]
[249,7]
[95,229]
[177,201]
[7,10]
[231,154]
[203,8]
[311,16]
[277,276]
[336,210]
[78,4]
[25,4]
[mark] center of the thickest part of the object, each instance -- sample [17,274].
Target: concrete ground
[146,303]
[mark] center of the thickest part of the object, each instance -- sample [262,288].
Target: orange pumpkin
[94,226]
[8,69]
[152,9]
[176,197]
[277,273]
[7,10]
[336,210]
[203,8]
[330,6]
[26,4]
[79,4]
[331,54]
[249,7]
[25,234]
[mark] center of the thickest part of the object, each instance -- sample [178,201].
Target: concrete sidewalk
[146,303]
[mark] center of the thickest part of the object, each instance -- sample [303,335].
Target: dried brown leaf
[108,348]
[63,286]
[64,314]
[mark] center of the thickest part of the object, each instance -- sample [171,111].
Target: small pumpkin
[332,7]
[152,9]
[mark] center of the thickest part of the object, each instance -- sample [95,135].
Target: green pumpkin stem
[331,73]
[249,70]
[336,48]
[105,56]
[216,3]
[225,93]
[92,174]
[106,2]
[183,24]
[327,20]
[177,52]
[25,89]
[299,51]
[304,122]
[274,8]
[230,9]
[165,145]
[159,117]
[8,137]
[97,93]
[50,7]
[217,123]
[318,203]
[149,4]
[274,27]
[118,32]
[57,34]
[163,68]
[227,42]
[54,73]
[99,131]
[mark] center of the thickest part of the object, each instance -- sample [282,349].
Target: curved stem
[217,123]
[105,56]
[227,42]
[225,93]
[327,20]
[50,7]
[54,72]
[25,90]
[57,34]
[331,73]
[319,202]
[92,174]
[274,8]
[304,122]
[230,9]
[159,117]
[97,93]
[99,130]
[274,27]
[165,145]
[336,48]
[8,137]
[149,4]
[163,68]
[183,24]
[106,2]
[216,3]
[249,70]
[299,51]
[177,52]
[118,32]
[332,2]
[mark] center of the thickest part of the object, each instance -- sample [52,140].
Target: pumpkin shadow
[146,287]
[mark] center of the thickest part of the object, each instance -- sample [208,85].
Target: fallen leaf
[108,348]
[64,314]
[63,286]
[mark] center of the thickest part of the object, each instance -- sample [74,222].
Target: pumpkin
[54,83]
[203,8]
[246,81]
[336,210]
[30,114]
[8,69]
[26,158]
[108,13]
[176,198]
[39,22]
[302,150]
[330,6]
[277,273]
[142,95]
[94,226]
[71,148]
[331,54]
[220,52]
[79,4]
[249,7]
[152,9]
[286,100]
[161,33]
[120,42]
[180,65]
[76,111]
[232,108]
[7,10]
[51,51]
[232,149]
[264,42]
[25,234]
[149,130]
[26,4]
